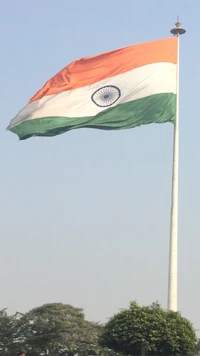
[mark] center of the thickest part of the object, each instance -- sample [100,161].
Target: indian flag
[120,89]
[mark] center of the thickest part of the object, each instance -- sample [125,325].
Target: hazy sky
[85,215]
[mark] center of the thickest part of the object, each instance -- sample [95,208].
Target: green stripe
[159,108]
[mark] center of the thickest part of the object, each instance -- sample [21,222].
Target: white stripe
[138,83]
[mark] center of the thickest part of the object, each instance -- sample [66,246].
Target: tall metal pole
[173,250]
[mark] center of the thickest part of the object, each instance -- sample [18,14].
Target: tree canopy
[9,333]
[166,332]
[61,330]
[52,329]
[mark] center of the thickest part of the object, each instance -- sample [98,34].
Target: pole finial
[178,30]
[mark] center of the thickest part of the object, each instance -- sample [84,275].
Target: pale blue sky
[85,216]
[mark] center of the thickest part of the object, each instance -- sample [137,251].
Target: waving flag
[119,89]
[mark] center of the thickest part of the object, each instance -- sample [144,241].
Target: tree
[59,329]
[52,329]
[198,348]
[9,333]
[166,332]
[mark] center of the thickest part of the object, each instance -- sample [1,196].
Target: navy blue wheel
[106,96]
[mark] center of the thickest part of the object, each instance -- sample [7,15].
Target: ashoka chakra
[106,96]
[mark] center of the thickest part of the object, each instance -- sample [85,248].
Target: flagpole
[173,249]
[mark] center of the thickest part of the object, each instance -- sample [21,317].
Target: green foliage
[59,329]
[9,333]
[197,351]
[167,332]
[53,330]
